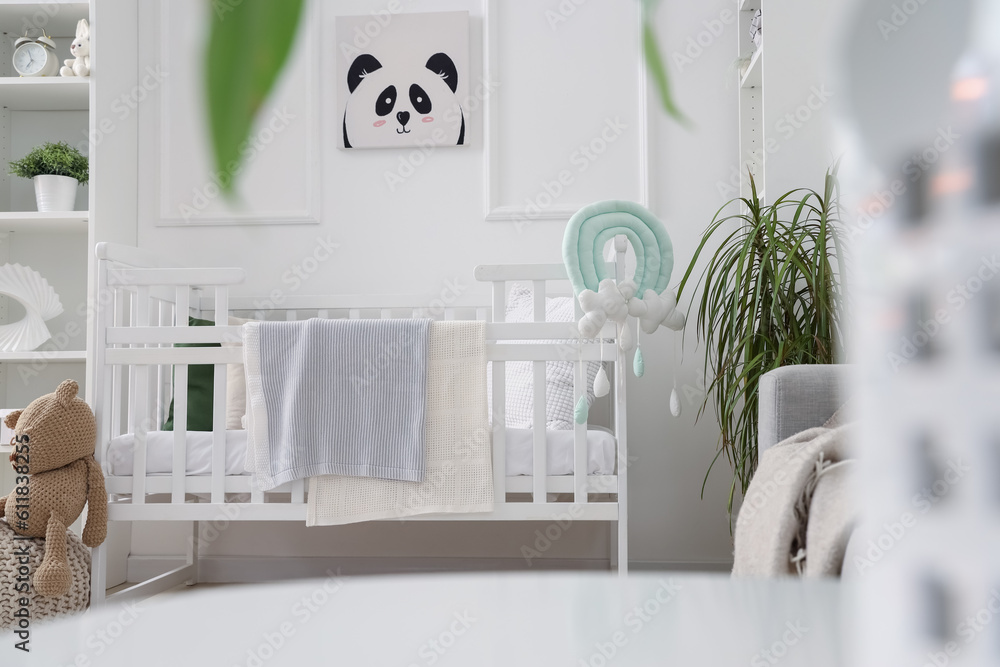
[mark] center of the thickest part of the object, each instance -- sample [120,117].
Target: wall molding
[495,211]
[312,161]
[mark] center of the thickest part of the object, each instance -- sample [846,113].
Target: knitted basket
[76,600]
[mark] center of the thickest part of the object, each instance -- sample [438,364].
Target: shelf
[58,18]
[33,221]
[753,76]
[53,357]
[45,93]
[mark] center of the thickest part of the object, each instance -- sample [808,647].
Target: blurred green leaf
[249,43]
[656,67]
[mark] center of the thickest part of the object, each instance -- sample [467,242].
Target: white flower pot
[55,193]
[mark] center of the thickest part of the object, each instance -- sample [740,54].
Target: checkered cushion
[559,402]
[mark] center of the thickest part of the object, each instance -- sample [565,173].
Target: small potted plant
[57,169]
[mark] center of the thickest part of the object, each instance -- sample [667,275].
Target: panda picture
[403,106]
[404,89]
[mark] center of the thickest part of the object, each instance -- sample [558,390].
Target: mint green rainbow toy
[645,296]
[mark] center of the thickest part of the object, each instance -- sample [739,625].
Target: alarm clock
[35,56]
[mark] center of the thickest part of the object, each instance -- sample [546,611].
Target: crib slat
[139,419]
[180,434]
[323,314]
[499,404]
[538,424]
[291,315]
[162,320]
[183,309]
[116,373]
[152,376]
[580,458]
[538,300]
[180,405]
[219,406]
[538,419]
[385,313]
[298,491]
[221,307]
[130,415]
[149,381]
[354,314]
[219,435]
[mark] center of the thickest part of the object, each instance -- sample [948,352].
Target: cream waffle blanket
[458,472]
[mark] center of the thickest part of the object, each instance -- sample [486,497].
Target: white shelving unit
[45,94]
[751,102]
[56,356]
[57,17]
[752,77]
[33,111]
[35,222]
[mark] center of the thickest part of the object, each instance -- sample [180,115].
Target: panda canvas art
[402,79]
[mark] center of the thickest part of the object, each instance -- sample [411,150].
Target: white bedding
[160,456]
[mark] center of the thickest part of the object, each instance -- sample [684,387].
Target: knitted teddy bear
[54,439]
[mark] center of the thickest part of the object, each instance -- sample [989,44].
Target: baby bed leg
[98,575]
[622,547]
[612,545]
[192,555]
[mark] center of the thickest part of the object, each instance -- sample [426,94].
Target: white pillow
[559,403]
[236,386]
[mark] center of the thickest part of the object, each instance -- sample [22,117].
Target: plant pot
[55,193]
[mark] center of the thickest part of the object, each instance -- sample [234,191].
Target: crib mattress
[520,456]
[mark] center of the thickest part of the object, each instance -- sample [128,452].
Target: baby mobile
[645,296]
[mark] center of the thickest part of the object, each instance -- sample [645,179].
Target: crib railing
[144,316]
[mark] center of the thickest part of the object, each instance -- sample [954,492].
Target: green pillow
[201,388]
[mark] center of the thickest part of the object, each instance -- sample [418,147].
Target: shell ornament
[40,301]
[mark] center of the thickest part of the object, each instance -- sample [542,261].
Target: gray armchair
[795,398]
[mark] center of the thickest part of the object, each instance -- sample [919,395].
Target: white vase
[55,193]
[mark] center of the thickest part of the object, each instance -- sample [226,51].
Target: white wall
[800,95]
[556,89]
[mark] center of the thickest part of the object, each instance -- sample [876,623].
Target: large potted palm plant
[770,296]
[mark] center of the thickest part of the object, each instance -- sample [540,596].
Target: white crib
[142,314]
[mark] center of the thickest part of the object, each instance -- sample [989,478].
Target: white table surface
[556,619]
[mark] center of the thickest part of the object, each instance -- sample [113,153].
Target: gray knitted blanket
[335,397]
[800,508]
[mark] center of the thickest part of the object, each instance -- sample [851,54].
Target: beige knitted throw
[459,472]
[799,510]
